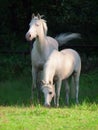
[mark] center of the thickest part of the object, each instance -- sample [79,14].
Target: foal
[58,67]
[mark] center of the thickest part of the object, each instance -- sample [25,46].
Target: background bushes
[61,16]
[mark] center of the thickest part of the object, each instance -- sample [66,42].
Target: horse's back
[52,43]
[73,56]
[71,52]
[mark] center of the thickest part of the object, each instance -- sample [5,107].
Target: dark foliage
[62,16]
[66,16]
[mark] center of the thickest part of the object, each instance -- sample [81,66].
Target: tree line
[61,15]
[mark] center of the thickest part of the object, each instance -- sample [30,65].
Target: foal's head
[49,92]
[37,27]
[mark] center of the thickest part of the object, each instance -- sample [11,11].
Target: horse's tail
[65,37]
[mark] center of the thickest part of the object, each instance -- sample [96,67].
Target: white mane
[44,26]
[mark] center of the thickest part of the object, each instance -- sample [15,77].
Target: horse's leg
[54,94]
[38,86]
[76,82]
[55,99]
[58,86]
[67,91]
[72,87]
[34,75]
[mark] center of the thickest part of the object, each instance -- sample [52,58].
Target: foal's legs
[58,86]
[67,91]
[76,83]
[72,87]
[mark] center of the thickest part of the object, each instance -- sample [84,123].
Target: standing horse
[43,45]
[59,66]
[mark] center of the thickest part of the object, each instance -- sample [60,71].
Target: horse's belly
[64,72]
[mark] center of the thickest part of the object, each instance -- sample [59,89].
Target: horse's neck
[48,73]
[41,43]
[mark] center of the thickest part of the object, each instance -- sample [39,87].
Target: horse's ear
[42,82]
[33,15]
[38,15]
[42,16]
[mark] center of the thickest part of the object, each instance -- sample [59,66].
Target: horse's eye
[50,93]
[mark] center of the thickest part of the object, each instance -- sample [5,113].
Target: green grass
[82,117]
[17,112]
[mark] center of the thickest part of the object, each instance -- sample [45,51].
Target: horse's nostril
[29,35]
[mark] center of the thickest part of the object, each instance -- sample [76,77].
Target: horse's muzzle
[47,105]
[28,37]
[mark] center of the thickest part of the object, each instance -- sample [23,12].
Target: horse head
[49,92]
[37,27]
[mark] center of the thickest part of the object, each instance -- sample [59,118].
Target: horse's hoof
[56,105]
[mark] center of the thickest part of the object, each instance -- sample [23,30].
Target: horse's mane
[44,26]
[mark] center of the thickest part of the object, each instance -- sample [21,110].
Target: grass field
[17,113]
[83,117]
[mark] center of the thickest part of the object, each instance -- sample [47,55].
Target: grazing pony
[59,66]
[43,46]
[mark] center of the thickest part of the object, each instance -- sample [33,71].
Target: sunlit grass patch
[35,118]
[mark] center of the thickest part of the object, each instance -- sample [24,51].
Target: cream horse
[59,66]
[43,45]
